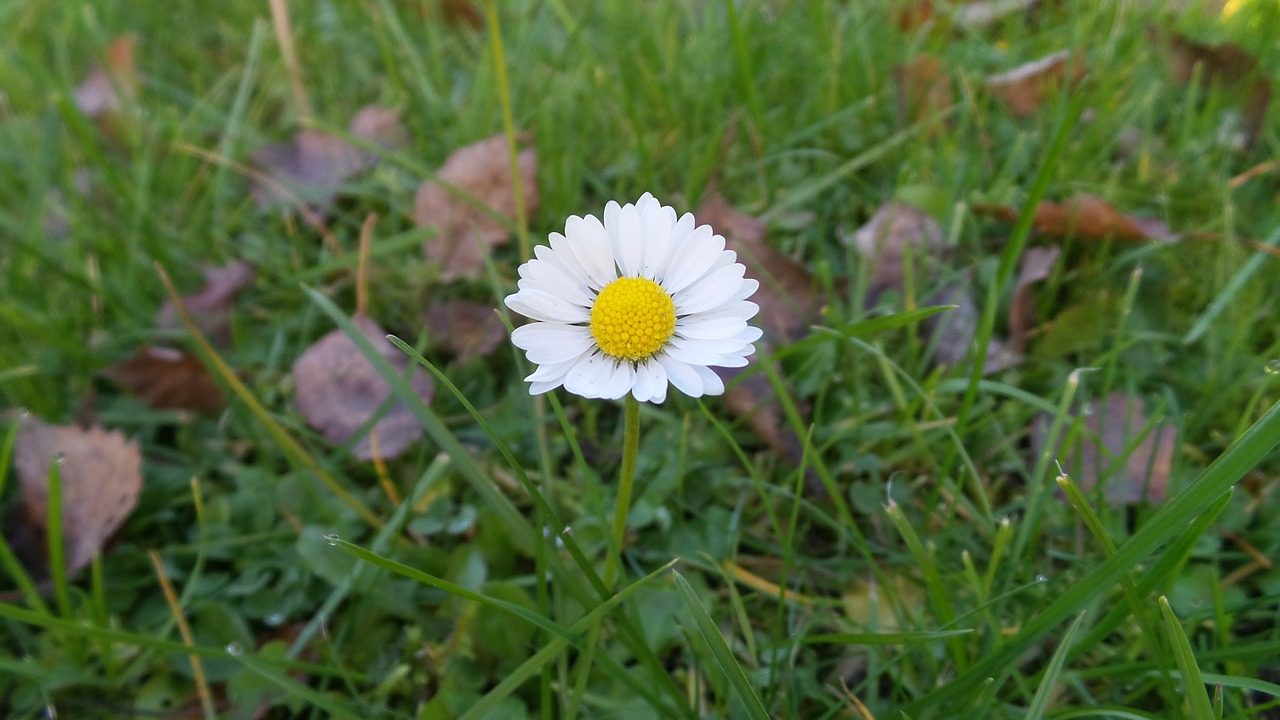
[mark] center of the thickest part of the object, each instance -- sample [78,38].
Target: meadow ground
[214,212]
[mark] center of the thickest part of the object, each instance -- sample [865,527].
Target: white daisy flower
[632,304]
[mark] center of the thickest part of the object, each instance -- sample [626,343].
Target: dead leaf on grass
[314,166]
[788,301]
[1108,429]
[1226,64]
[211,307]
[101,476]
[896,228]
[465,329]
[337,390]
[464,232]
[951,333]
[168,379]
[1024,88]
[112,83]
[924,91]
[977,15]
[1035,265]
[1085,217]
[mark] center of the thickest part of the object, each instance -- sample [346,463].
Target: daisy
[632,304]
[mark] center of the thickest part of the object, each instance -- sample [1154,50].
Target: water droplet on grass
[1041,579]
[332,538]
[275,619]
[234,649]
[23,412]
[1273,367]
[59,457]
[1088,408]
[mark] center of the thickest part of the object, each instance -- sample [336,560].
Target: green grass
[940,576]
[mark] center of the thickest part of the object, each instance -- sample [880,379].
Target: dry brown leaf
[787,298]
[895,229]
[1035,265]
[101,475]
[465,329]
[314,166]
[337,390]
[112,83]
[462,13]
[168,379]
[1085,217]
[1024,88]
[911,16]
[924,90]
[211,307]
[1226,64]
[464,232]
[1109,428]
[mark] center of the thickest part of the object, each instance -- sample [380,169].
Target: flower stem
[626,479]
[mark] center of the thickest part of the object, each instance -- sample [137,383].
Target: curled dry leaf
[1024,88]
[465,329]
[896,228]
[1109,428]
[315,165]
[952,332]
[924,90]
[464,231]
[337,390]
[101,475]
[1035,265]
[110,82]
[211,307]
[1085,217]
[168,379]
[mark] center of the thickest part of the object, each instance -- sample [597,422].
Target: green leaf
[1040,702]
[1192,682]
[723,655]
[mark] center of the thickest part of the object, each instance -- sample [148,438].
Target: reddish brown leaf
[465,329]
[1036,263]
[787,297]
[1024,88]
[1109,428]
[110,83]
[211,307]
[896,229]
[337,390]
[462,13]
[911,16]
[1085,217]
[168,379]
[101,475]
[315,165]
[465,232]
[924,90]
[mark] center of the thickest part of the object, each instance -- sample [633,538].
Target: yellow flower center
[632,318]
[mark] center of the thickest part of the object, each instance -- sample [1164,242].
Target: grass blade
[723,655]
[1040,702]
[1192,683]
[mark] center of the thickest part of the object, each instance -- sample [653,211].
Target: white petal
[711,291]
[551,342]
[750,335]
[693,259]
[749,288]
[628,242]
[696,352]
[587,241]
[564,261]
[547,372]
[537,388]
[544,306]
[619,382]
[680,232]
[711,329]
[543,275]
[683,376]
[656,222]
[660,381]
[711,382]
[644,385]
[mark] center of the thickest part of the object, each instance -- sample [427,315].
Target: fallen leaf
[883,242]
[924,90]
[168,379]
[1085,217]
[211,307]
[951,333]
[1226,64]
[110,83]
[465,232]
[976,15]
[101,476]
[465,329]
[787,298]
[1024,88]
[911,16]
[1108,428]
[462,13]
[337,390]
[1035,265]
[314,166]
